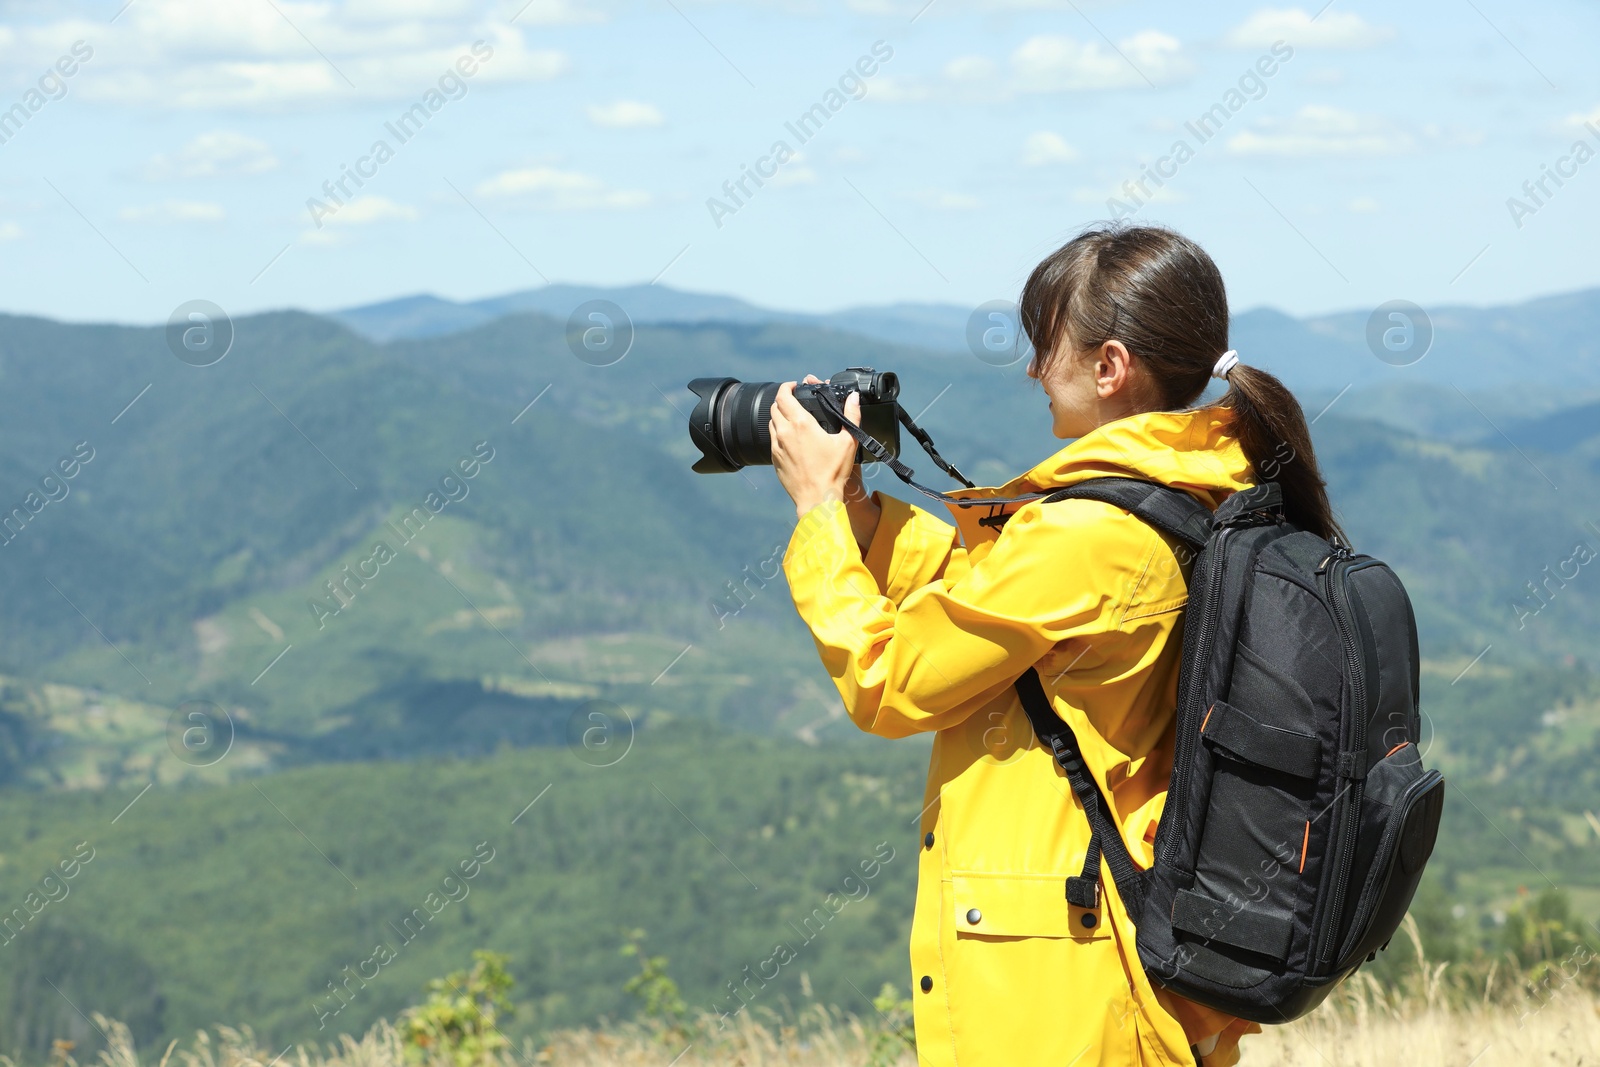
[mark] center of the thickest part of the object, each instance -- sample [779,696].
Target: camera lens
[744,413]
[730,423]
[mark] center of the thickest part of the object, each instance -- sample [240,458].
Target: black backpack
[1299,815]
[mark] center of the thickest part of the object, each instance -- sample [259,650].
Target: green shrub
[456,1024]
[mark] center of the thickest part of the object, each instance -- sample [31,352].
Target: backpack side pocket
[1400,814]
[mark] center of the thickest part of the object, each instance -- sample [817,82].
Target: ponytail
[1162,296]
[1271,429]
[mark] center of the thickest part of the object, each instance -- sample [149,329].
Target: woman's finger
[783,403]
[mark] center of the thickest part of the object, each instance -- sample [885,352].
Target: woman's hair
[1159,294]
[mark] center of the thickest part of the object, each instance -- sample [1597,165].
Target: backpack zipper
[1184,756]
[1338,568]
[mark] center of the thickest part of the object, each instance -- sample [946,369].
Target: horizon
[331,313]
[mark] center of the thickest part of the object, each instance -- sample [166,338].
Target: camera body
[730,421]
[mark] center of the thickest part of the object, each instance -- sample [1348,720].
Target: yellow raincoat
[928,633]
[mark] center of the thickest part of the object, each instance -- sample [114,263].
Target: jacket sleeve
[954,642]
[910,548]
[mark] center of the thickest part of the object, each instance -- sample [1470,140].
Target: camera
[730,421]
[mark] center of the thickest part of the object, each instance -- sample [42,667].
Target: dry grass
[1438,1019]
[1369,1032]
[822,1038]
[1364,1028]
[1434,1019]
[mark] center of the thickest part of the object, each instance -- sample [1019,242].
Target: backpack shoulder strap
[1083,890]
[1172,511]
[1180,515]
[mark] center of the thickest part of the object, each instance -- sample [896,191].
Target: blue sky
[178,160]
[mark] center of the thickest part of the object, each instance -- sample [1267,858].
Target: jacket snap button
[927,984]
[1088,919]
[927,839]
[974,917]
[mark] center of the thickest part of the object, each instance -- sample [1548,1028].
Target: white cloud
[1318,130]
[9,231]
[880,7]
[324,236]
[389,10]
[334,227]
[795,172]
[561,190]
[1037,5]
[624,115]
[1041,64]
[888,89]
[1058,63]
[970,69]
[555,13]
[174,211]
[791,175]
[1330,29]
[1365,205]
[368,209]
[219,154]
[1045,148]
[939,8]
[180,54]
[1437,136]
[1578,123]
[536,180]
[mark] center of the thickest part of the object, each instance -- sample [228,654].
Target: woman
[925,627]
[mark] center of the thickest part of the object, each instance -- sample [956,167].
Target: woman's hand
[813,465]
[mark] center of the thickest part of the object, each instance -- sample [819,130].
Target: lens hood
[701,431]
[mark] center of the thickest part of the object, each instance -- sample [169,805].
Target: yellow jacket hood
[1191,450]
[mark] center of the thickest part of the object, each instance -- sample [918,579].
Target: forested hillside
[347,608]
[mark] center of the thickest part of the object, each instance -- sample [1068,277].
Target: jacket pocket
[1019,905]
[1400,815]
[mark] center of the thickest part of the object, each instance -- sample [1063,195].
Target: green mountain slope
[415,584]
[223,541]
[243,902]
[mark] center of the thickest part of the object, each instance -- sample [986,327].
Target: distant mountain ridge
[937,327]
[1551,342]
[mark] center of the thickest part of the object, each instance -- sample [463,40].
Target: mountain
[1484,368]
[290,533]
[429,316]
[311,902]
[934,327]
[265,900]
[1569,430]
[336,609]
[1552,341]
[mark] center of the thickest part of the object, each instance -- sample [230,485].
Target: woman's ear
[1112,369]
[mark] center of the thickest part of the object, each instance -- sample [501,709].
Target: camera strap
[903,472]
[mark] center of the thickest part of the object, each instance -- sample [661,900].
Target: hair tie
[1229,360]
